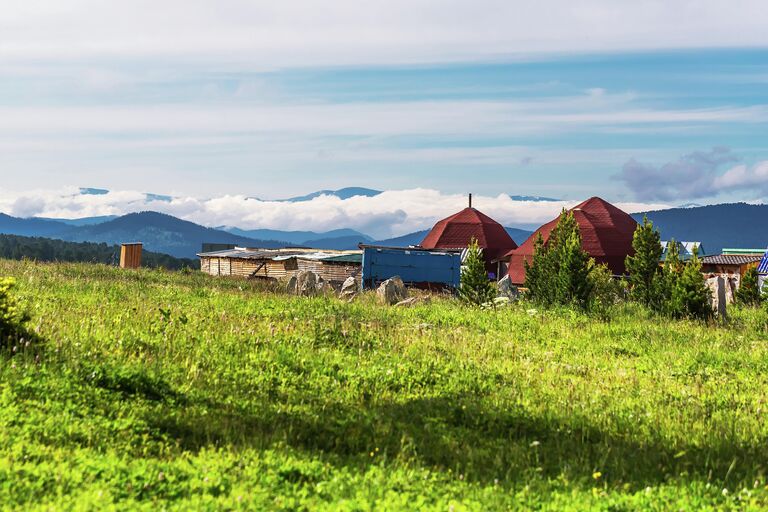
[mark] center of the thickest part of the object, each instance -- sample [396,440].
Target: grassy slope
[192,392]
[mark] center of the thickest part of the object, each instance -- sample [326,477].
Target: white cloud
[313,32]
[743,177]
[391,213]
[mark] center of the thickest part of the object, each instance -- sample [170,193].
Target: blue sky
[238,98]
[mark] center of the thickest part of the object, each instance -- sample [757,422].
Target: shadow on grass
[21,341]
[468,437]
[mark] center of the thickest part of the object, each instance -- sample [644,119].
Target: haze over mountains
[716,226]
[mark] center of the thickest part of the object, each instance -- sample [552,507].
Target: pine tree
[643,267]
[537,273]
[666,282]
[749,288]
[559,271]
[573,283]
[475,288]
[690,295]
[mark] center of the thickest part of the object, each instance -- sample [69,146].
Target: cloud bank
[391,213]
[694,176]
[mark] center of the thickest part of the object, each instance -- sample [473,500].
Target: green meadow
[154,390]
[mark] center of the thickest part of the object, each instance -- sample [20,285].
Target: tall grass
[157,389]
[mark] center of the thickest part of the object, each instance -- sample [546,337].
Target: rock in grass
[392,291]
[507,289]
[307,283]
[349,289]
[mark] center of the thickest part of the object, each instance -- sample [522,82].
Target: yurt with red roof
[456,231]
[606,235]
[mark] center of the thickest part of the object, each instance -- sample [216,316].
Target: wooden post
[130,255]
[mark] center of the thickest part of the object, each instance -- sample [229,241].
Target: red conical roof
[456,231]
[606,235]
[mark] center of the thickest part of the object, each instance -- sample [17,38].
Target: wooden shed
[729,264]
[333,266]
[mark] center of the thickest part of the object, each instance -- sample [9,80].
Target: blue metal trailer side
[416,267]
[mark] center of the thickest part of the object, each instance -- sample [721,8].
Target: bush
[749,288]
[475,288]
[12,316]
[605,290]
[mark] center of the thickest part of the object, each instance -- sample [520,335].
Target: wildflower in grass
[534,444]
[596,475]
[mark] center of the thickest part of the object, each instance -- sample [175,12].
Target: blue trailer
[417,267]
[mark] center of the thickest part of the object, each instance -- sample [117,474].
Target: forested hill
[715,226]
[46,249]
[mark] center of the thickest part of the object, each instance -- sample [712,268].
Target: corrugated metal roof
[285,254]
[730,259]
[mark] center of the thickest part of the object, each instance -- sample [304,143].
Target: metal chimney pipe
[470,200]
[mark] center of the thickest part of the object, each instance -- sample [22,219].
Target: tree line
[561,273]
[47,249]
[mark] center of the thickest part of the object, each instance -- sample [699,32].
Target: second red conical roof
[606,235]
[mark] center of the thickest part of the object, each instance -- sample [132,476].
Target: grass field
[151,390]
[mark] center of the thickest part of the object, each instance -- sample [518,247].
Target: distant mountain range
[159,232]
[342,193]
[85,221]
[415,238]
[716,226]
[536,199]
[739,225]
[298,237]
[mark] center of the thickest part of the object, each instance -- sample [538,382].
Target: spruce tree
[538,272]
[559,271]
[690,294]
[475,288]
[665,284]
[749,288]
[573,283]
[643,266]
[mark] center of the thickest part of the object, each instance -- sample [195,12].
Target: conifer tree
[643,266]
[573,283]
[749,288]
[475,288]
[559,271]
[537,273]
[690,295]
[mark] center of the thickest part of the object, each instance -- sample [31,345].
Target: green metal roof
[345,258]
[732,250]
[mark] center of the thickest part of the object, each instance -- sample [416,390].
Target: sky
[647,103]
